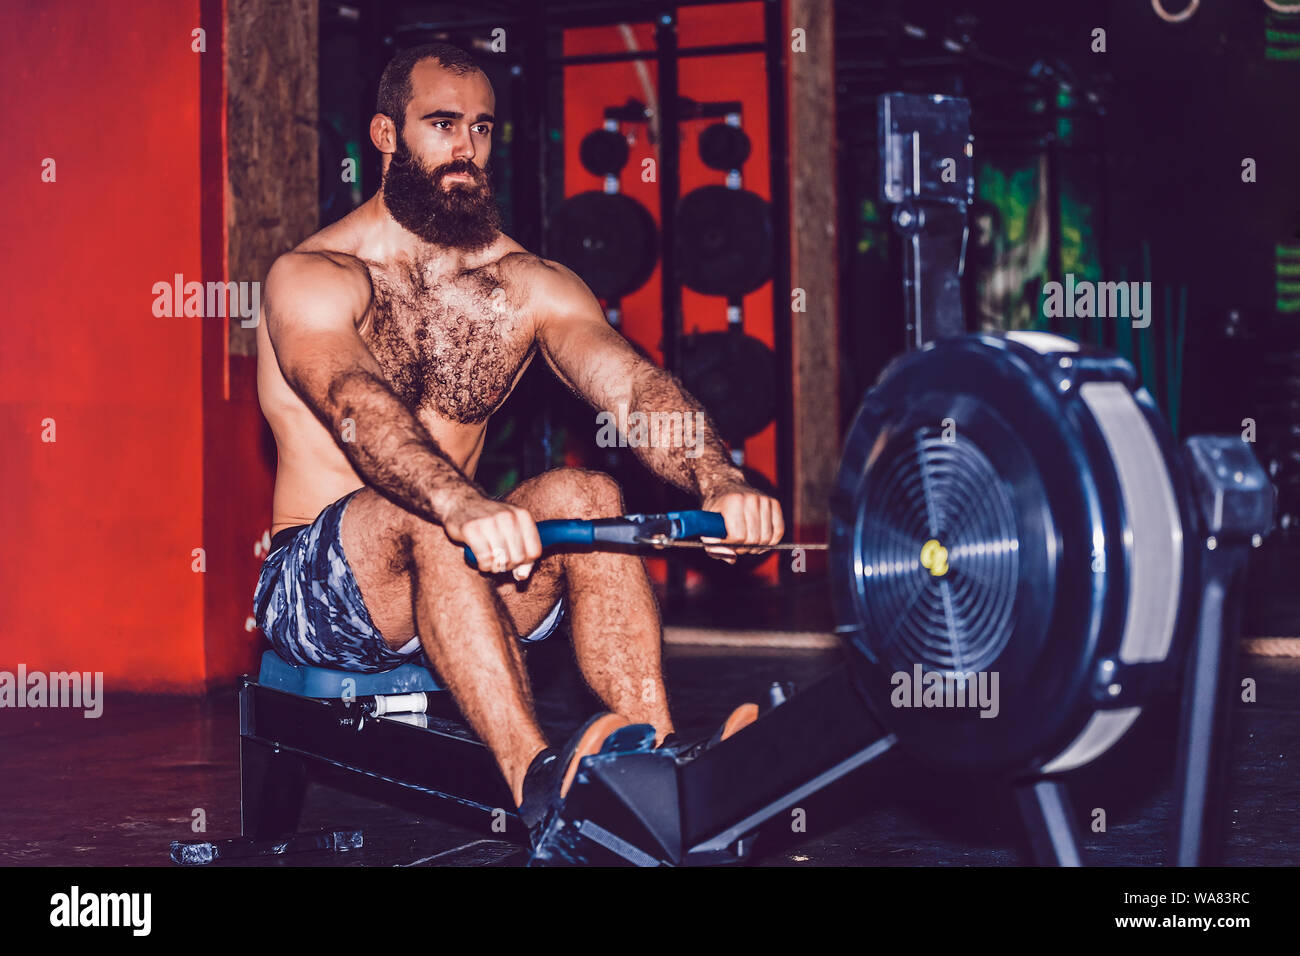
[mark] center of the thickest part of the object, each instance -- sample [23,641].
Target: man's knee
[588,494]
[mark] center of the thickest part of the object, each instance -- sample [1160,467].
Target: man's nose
[463,148]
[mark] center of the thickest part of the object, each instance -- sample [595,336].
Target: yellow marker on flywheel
[934,558]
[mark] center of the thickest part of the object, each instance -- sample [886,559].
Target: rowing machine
[1021,561]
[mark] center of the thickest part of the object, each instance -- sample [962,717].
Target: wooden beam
[272,112]
[814,257]
[260,199]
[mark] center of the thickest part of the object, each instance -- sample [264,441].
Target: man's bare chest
[454,345]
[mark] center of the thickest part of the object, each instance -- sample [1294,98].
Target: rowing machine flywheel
[1008,552]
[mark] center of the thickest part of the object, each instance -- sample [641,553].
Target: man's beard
[460,215]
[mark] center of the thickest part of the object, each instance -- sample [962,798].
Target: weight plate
[724,241]
[724,147]
[735,377]
[609,240]
[603,152]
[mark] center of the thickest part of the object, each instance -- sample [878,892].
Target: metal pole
[669,173]
[774,35]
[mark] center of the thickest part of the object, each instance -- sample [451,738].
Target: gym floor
[117,790]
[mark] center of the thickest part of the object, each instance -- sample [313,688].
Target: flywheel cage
[950,608]
[1008,508]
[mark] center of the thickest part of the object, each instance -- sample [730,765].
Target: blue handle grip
[674,524]
[699,524]
[564,531]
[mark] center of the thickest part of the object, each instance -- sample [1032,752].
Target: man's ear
[383,133]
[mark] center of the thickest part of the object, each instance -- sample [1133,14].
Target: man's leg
[414,580]
[617,638]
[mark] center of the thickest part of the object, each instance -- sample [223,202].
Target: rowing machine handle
[625,530]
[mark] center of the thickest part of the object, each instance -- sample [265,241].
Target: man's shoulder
[307,267]
[542,278]
[318,282]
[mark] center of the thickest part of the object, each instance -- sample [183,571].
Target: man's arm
[313,304]
[598,364]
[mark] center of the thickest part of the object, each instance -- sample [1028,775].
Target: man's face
[436,185]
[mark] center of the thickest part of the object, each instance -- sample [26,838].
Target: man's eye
[485,130]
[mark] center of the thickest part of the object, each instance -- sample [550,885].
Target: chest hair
[453,344]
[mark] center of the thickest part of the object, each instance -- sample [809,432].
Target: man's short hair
[395,83]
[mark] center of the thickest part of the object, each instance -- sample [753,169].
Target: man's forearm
[390,449]
[679,443]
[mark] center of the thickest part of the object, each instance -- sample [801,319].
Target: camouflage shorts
[310,608]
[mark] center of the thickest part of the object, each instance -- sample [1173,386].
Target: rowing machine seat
[309,681]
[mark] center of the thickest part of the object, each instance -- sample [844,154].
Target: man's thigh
[309,602]
[374,535]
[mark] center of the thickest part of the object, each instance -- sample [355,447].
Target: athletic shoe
[736,721]
[551,773]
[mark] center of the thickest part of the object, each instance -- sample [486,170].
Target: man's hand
[752,519]
[500,535]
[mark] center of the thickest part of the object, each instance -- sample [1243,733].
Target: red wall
[95,569]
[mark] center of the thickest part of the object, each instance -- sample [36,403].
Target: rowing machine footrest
[308,681]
